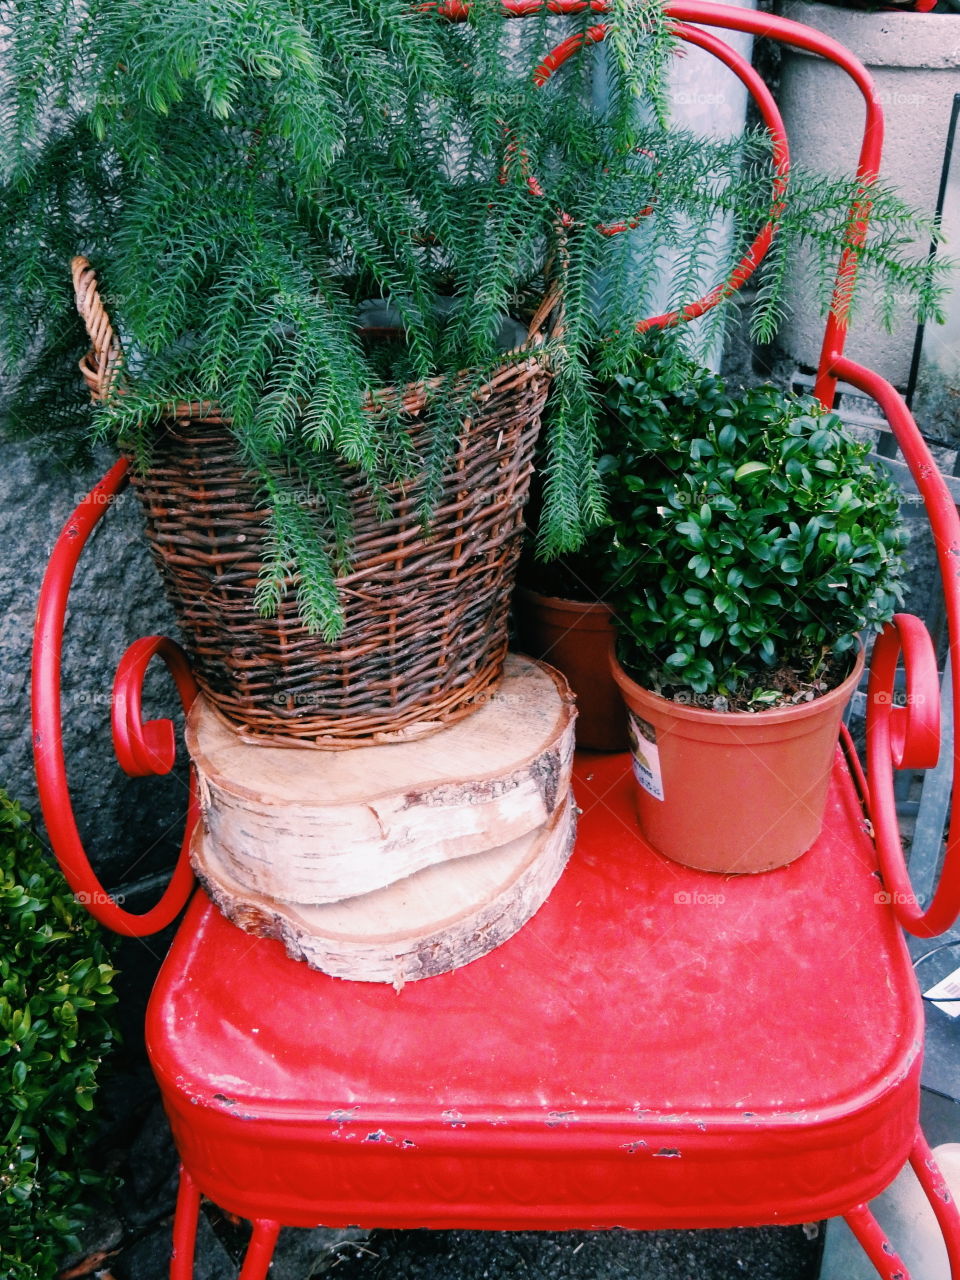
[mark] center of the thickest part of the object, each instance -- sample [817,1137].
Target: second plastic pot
[577,638]
[732,791]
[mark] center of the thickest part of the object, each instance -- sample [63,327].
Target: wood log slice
[434,921]
[316,826]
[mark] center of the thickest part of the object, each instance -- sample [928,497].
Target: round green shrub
[55,1029]
[749,535]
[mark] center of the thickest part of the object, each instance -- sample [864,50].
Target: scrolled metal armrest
[909,734]
[900,737]
[147,748]
[908,737]
[143,748]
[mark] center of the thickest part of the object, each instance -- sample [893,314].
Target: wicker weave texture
[425,631]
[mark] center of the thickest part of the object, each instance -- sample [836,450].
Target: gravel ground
[767,1254]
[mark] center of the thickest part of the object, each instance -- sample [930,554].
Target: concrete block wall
[914,60]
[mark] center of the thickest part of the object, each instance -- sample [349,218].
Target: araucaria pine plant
[243,176]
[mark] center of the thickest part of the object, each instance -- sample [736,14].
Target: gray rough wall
[131,826]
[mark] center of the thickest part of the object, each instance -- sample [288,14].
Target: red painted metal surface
[874,1242]
[909,733]
[771,117]
[888,727]
[770,114]
[259,1253]
[147,748]
[884,735]
[142,748]
[786,31]
[872,1237]
[797,35]
[657,1047]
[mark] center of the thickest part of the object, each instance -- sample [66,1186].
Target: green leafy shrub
[751,539]
[55,990]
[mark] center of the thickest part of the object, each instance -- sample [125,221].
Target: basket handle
[99,366]
[536,331]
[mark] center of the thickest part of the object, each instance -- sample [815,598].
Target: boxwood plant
[751,540]
[55,1028]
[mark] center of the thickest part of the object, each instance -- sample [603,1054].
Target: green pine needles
[245,175]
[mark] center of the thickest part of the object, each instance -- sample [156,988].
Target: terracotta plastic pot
[577,638]
[732,791]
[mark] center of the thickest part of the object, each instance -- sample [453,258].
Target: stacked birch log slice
[398,861]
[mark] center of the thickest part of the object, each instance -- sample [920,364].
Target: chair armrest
[908,737]
[142,748]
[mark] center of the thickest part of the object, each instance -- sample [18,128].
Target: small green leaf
[727,437]
[692,532]
[700,566]
[750,469]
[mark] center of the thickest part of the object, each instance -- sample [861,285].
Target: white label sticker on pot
[646,756]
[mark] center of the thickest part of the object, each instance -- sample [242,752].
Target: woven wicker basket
[426,617]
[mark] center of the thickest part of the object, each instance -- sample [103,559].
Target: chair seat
[657,1047]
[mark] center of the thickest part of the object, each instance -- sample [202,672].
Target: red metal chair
[657,1048]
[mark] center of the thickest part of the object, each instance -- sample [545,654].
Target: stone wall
[131,826]
[914,61]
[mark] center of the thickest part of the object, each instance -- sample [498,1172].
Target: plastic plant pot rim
[640,699]
[582,609]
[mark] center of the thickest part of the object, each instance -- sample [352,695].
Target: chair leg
[185,1228]
[260,1249]
[259,1253]
[875,1243]
[941,1200]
